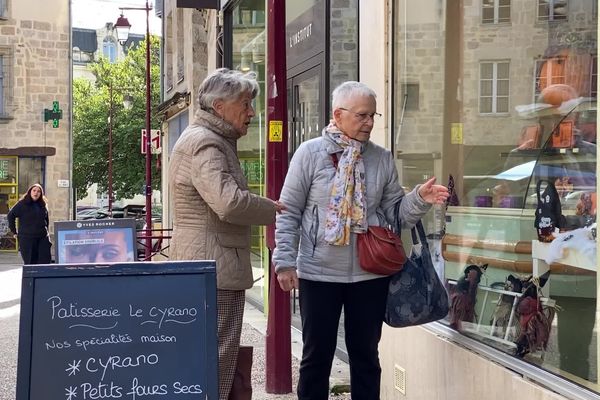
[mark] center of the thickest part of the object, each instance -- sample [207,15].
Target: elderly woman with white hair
[336,186]
[213,208]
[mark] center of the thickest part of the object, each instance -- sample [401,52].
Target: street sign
[55,114]
[155,141]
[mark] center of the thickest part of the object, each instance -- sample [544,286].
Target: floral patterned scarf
[347,211]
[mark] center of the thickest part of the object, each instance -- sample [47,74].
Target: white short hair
[348,90]
[225,84]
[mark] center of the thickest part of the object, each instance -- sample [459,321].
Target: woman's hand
[433,194]
[288,279]
[279,206]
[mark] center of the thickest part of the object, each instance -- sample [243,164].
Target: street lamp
[127,103]
[122,26]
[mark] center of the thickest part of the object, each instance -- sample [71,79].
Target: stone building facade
[35,68]
[186,32]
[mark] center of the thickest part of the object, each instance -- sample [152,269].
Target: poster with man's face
[95,241]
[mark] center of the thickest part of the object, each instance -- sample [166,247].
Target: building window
[594,78]
[3,8]
[552,10]
[548,71]
[180,46]
[493,87]
[495,11]
[169,45]
[109,48]
[410,95]
[2,85]
[5,82]
[82,57]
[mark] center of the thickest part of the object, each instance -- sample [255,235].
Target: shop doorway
[306,106]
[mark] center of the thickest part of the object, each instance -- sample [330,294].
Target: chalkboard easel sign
[127,331]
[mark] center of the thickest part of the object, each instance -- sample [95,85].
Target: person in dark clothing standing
[32,212]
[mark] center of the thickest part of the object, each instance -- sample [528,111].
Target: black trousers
[35,250]
[320,308]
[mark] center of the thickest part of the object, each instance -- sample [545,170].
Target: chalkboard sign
[123,331]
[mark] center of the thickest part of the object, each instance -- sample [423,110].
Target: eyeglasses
[362,117]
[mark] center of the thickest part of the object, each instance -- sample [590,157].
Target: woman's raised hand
[433,194]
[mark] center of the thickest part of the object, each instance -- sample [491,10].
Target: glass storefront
[17,174]
[497,98]
[247,21]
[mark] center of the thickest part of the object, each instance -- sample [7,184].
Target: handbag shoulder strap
[335,160]
[397,221]
[417,233]
[420,231]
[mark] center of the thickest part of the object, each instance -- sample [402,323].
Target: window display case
[555,170]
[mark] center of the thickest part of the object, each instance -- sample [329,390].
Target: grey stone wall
[343,56]
[420,60]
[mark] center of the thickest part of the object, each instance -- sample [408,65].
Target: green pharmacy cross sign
[55,114]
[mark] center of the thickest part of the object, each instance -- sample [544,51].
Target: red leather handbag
[380,251]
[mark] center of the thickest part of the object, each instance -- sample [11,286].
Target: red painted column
[148,247]
[278,340]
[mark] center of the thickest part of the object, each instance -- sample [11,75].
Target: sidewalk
[253,334]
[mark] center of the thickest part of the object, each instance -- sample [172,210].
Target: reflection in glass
[514,106]
[248,54]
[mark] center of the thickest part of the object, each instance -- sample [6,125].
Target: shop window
[109,48]
[495,11]
[492,139]
[552,10]
[246,44]
[493,87]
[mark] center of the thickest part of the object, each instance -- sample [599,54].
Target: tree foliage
[91,105]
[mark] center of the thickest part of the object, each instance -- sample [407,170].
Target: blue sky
[94,14]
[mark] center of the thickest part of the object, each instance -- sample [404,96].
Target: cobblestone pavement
[253,332]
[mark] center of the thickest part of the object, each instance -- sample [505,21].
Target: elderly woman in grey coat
[213,208]
[336,186]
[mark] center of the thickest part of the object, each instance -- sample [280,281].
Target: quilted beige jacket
[213,208]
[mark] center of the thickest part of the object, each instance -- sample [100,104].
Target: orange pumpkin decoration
[557,94]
